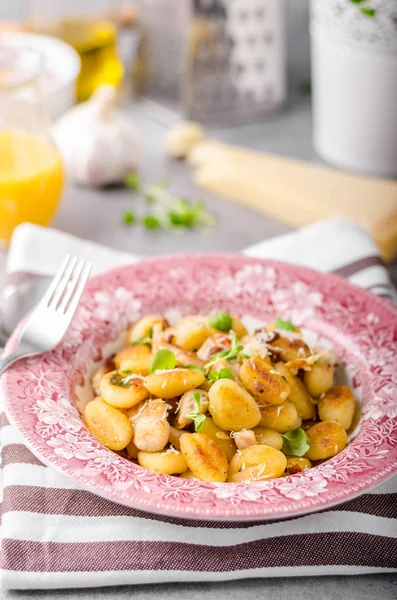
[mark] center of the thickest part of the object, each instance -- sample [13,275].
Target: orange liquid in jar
[31,181]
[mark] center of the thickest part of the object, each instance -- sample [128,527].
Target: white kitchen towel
[54,534]
[335,245]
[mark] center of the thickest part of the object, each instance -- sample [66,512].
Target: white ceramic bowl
[61,69]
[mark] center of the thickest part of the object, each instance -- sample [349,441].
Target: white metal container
[219,61]
[354,81]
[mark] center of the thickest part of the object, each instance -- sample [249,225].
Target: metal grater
[215,61]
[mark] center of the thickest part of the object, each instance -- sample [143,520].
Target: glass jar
[91,27]
[31,172]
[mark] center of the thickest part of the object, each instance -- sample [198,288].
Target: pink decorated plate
[41,394]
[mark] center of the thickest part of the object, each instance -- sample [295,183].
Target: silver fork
[50,320]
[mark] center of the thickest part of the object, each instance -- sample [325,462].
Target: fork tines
[68,284]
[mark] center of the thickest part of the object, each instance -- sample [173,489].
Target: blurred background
[155,126]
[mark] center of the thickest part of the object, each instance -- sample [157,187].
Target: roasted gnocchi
[205,399]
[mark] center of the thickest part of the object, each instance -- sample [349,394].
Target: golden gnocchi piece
[98,375]
[169,462]
[175,437]
[187,404]
[326,440]
[338,404]
[204,457]
[219,437]
[136,358]
[108,424]
[191,332]
[257,463]
[122,390]
[298,394]
[319,379]
[174,382]
[158,337]
[281,418]
[263,381]
[297,464]
[268,437]
[132,450]
[290,349]
[232,407]
[144,326]
[187,475]
[151,428]
[239,328]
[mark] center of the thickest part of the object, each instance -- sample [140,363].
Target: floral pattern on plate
[41,402]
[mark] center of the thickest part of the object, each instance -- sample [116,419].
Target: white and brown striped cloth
[56,535]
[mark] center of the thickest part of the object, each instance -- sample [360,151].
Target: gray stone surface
[98,214]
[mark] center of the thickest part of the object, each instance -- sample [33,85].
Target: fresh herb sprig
[142,341]
[365,10]
[168,211]
[195,368]
[197,417]
[236,351]
[221,374]
[296,442]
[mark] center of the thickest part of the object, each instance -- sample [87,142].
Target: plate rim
[194,515]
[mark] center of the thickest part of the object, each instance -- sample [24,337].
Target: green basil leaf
[196,398]
[199,422]
[221,320]
[296,442]
[197,417]
[221,374]
[286,325]
[163,360]
[368,12]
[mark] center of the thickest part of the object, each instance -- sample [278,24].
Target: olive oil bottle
[91,27]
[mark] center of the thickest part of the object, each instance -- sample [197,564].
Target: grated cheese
[170,450]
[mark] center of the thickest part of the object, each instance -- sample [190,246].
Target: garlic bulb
[98,143]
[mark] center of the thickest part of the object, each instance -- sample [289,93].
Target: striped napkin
[56,535]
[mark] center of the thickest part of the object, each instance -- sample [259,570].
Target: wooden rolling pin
[296,192]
